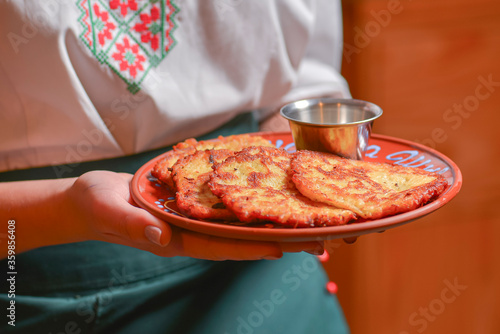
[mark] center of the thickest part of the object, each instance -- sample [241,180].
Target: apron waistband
[243,123]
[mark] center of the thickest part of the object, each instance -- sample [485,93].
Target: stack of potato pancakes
[245,179]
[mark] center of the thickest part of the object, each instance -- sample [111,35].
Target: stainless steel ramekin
[339,126]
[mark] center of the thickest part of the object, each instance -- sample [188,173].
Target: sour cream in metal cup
[338,126]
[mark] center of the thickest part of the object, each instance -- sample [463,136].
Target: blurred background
[434,68]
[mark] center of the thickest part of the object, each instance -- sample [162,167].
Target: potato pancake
[372,190]
[194,198]
[162,169]
[256,185]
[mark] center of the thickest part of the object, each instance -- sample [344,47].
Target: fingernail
[350,240]
[153,234]
[324,257]
[315,251]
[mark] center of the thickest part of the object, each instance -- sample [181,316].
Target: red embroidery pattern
[105,27]
[130,36]
[114,4]
[150,27]
[129,58]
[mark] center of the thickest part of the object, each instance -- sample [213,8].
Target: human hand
[101,204]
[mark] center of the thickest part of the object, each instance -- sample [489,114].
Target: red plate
[159,200]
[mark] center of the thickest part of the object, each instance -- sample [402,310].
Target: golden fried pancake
[162,169]
[194,198]
[256,185]
[370,189]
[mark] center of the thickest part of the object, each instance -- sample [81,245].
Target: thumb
[141,226]
[135,224]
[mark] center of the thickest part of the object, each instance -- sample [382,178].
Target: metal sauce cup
[339,126]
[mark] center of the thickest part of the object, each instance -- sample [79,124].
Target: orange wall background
[434,68]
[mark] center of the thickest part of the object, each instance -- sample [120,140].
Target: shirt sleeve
[318,73]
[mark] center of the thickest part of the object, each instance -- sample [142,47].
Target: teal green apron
[97,287]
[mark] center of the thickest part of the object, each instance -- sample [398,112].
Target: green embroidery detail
[133,88]
[81,18]
[129,38]
[129,56]
[155,28]
[102,57]
[154,61]
[98,24]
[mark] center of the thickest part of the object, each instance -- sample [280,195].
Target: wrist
[42,211]
[68,212]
